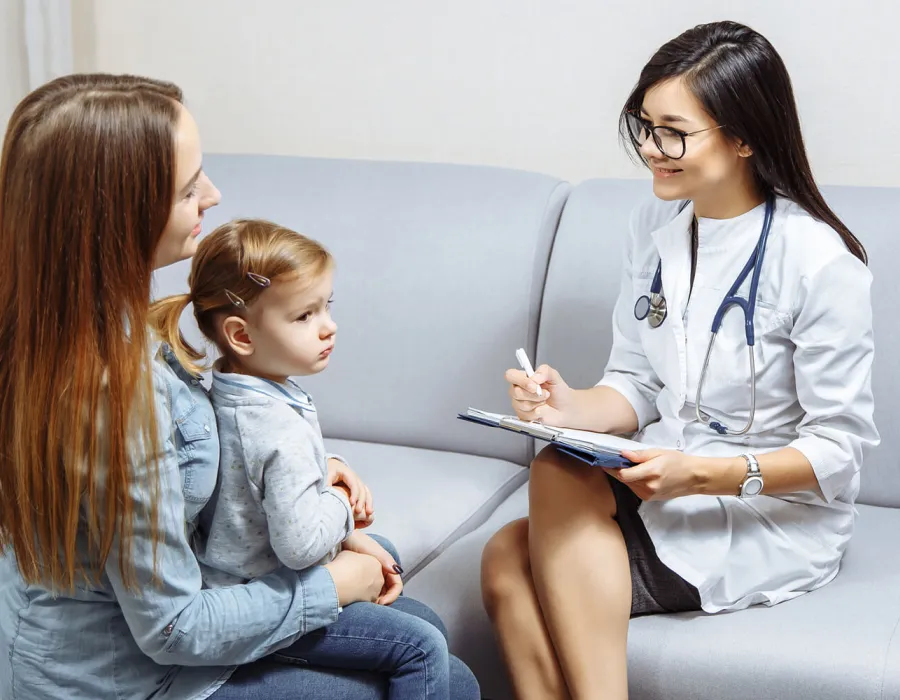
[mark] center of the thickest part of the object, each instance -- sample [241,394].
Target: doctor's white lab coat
[813,353]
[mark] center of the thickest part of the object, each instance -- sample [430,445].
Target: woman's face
[194,194]
[712,161]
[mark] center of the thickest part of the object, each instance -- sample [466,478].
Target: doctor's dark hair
[743,84]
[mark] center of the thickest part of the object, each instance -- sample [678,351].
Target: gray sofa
[443,271]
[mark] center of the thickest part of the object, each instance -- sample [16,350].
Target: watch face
[753,486]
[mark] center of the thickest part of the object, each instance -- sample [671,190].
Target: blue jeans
[372,652]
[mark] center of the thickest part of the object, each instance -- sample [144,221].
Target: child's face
[291,329]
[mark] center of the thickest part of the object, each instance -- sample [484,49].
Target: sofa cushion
[836,643]
[451,585]
[425,500]
[440,271]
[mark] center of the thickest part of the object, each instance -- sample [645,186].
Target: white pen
[525,364]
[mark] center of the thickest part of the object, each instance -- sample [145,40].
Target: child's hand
[357,522]
[393,584]
[359,495]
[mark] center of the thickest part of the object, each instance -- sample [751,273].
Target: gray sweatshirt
[272,505]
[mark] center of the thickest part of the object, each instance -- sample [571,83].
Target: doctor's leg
[512,605]
[580,569]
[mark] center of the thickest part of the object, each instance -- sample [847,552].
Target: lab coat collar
[673,242]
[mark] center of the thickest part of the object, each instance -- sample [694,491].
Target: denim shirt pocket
[197,447]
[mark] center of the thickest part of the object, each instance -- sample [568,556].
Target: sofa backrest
[583,283]
[440,270]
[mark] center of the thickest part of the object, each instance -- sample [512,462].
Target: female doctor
[742,354]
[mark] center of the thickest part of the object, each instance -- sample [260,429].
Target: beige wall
[13,59]
[532,84]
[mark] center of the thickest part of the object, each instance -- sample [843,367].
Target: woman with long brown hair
[109,446]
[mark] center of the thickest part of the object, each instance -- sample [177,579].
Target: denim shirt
[174,640]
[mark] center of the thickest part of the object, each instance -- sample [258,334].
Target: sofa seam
[436,549]
[545,270]
[887,656]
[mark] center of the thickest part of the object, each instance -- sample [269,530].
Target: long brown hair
[231,269]
[87,181]
[742,83]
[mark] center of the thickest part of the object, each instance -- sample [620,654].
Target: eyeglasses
[669,141]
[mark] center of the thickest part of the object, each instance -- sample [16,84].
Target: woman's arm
[834,345]
[833,372]
[784,471]
[629,379]
[603,409]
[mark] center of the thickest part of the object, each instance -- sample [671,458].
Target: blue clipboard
[590,454]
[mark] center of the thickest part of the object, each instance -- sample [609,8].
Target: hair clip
[235,299]
[259,279]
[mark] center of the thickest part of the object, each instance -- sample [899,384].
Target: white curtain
[48,39]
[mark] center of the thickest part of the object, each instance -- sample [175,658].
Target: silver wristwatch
[753,482]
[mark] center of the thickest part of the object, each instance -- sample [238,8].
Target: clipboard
[595,449]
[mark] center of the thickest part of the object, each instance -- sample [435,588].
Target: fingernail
[397,569]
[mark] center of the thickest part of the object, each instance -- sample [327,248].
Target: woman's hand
[359,495]
[660,474]
[552,408]
[390,569]
[357,577]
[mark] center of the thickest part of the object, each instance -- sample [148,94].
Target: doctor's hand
[551,408]
[659,475]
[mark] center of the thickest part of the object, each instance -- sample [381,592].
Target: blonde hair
[87,180]
[229,272]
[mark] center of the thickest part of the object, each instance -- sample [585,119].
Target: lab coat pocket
[729,362]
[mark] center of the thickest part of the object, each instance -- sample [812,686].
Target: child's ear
[236,334]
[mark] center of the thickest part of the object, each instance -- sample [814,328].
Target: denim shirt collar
[238,385]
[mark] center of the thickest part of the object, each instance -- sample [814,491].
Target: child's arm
[284,457]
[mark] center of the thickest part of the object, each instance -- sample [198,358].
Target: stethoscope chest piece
[651,307]
[658,310]
[642,307]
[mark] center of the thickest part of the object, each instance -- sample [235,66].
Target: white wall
[13,59]
[533,84]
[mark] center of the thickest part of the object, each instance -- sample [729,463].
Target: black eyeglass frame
[653,133]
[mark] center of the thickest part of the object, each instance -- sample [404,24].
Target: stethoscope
[653,308]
